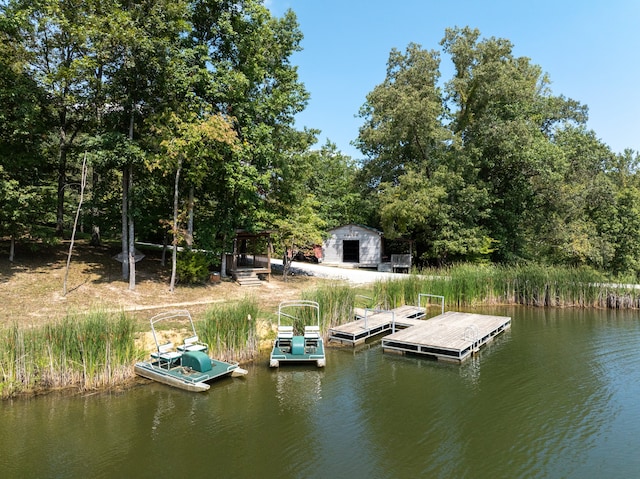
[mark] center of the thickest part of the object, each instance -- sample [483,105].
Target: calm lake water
[557,396]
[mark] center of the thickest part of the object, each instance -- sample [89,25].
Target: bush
[192,267]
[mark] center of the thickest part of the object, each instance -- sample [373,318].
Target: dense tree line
[185,111]
[491,166]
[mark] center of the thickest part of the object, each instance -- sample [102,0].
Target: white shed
[355,245]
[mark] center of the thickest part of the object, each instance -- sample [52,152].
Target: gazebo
[250,262]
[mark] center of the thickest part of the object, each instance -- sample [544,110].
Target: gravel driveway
[352,275]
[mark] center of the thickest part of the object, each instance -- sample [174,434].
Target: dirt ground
[32,286]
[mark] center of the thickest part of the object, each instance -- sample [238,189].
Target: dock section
[451,336]
[373,323]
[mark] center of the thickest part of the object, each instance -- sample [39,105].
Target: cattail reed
[531,285]
[230,330]
[336,302]
[86,353]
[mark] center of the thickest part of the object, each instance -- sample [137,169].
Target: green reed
[336,302]
[230,330]
[531,285]
[88,352]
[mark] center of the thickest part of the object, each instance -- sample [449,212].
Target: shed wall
[370,245]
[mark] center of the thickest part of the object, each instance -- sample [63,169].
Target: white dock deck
[451,336]
[375,322]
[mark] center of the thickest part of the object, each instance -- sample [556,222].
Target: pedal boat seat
[166,355]
[192,343]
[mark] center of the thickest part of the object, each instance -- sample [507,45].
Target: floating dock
[450,336]
[373,322]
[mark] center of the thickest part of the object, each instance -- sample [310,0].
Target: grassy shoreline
[97,350]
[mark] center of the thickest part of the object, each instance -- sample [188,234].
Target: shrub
[192,267]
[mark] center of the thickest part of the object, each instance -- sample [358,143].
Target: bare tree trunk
[125,229]
[62,180]
[164,249]
[95,236]
[83,183]
[12,248]
[189,238]
[132,249]
[223,259]
[175,228]
[286,264]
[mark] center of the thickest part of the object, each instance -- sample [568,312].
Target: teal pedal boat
[187,366]
[296,341]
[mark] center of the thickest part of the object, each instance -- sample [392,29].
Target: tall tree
[194,146]
[246,75]
[422,181]
[139,42]
[55,44]
[504,115]
[566,224]
[624,225]
[403,117]
[333,180]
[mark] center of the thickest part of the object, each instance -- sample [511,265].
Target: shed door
[351,251]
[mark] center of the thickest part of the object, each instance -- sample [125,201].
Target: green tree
[25,177]
[333,181]
[137,60]
[246,75]
[403,118]
[504,116]
[422,182]
[55,45]
[300,226]
[570,205]
[624,224]
[194,146]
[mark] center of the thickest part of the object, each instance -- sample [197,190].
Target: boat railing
[179,314]
[359,311]
[300,304]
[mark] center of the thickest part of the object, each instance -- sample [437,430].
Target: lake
[556,396]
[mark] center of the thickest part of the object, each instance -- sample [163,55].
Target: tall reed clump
[230,330]
[84,352]
[389,294]
[539,285]
[336,302]
[392,293]
[467,285]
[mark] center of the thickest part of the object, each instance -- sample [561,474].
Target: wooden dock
[450,336]
[376,322]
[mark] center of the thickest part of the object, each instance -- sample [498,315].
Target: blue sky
[590,49]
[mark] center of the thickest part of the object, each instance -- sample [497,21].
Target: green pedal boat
[187,366]
[306,345]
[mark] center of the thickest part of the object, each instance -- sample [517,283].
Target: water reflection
[298,388]
[554,397]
